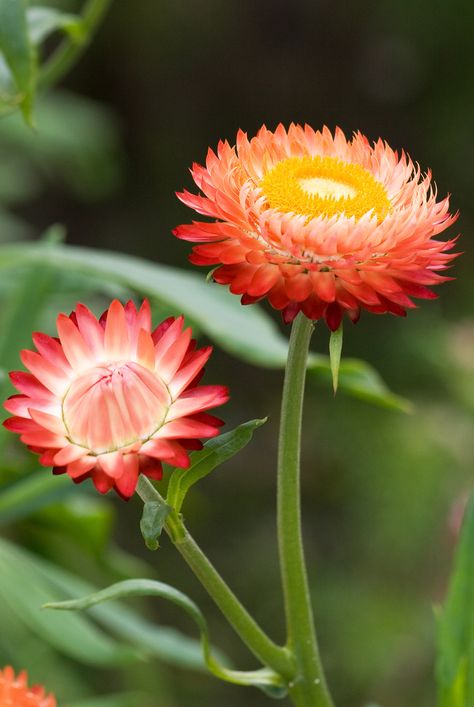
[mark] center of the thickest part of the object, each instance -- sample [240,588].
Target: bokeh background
[382,490]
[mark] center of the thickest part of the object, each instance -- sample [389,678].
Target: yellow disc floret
[324,186]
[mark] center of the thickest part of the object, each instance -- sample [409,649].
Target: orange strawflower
[14,691]
[315,222]
[113,398]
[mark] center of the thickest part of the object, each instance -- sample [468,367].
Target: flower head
[14,691]
[110,399]
[317,223]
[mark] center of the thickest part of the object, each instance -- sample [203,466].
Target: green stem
[70,50]
[269,653]
[309,688]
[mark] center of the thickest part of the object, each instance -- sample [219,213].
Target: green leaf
[215,452]
[152,523]
[264,678]
[18,52]
[44,21]
[31,494]
[455,659]
[359,379]
[162,642]
[23,591]
[335,349]
[246,332]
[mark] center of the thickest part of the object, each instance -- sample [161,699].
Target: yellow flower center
[324,186]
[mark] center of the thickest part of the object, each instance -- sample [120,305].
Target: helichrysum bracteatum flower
[111,398]
[317,223]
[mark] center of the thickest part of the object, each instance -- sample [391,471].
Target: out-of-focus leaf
[76,142]
[265,678]
[161,642]
[216,451]
[359,379]
[44,21]
[152,522]
[81,519]
[455,659]
[19,317]
[23,591]
[126,699]
[246,332]
[18,52]
[31,494]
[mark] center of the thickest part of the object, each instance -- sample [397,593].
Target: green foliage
[265,679]
[216,451]
[29,582]
[18,68]
[455,664]
[152,522]
[246,332]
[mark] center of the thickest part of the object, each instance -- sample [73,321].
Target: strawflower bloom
[318,223]
[110,399]
[14,691]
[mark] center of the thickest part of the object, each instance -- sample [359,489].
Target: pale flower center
[114,405]
[327,188]
[324,186]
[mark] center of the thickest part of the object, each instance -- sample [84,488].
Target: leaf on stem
[335,350]
[215,452]
[264,678]
[153,521]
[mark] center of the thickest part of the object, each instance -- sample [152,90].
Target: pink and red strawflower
[316,223]
[14,691]
[112,398]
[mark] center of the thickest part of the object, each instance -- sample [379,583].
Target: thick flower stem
[269,653]
[309,687]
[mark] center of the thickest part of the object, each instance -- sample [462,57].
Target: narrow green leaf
[455,659]
[44,21]
[18,52]
[152,523]
[264,679]
[215,452]
[359,379]
[335,349]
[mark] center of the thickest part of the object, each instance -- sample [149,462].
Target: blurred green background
[382,490]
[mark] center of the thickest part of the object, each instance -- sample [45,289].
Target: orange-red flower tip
[318,223]
[112,398]
[14,691]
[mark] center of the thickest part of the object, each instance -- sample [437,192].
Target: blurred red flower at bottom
[14,691]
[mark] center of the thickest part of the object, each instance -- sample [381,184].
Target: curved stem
[309,688]
[69,51]
[269,653]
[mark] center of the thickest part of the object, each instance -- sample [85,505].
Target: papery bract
[319,224]
[14,691]
[110,399]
